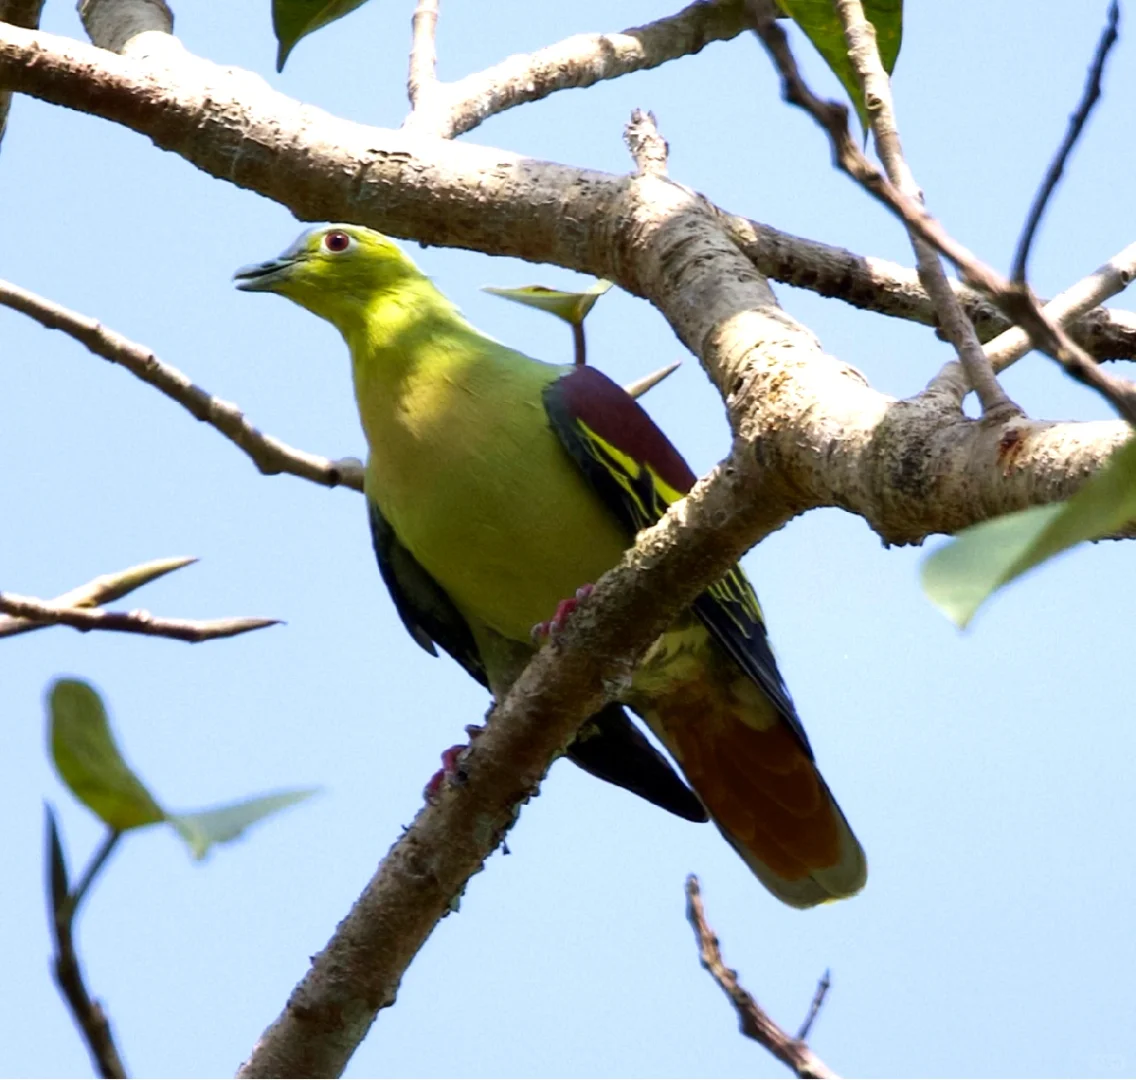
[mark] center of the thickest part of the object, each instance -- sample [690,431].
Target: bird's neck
[419,369]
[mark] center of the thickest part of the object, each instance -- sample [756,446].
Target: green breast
[476,485]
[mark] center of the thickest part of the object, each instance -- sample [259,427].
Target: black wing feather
[608,746]
[633,467]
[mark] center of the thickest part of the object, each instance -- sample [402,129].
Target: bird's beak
[265,276]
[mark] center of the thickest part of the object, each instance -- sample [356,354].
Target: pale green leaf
[89,762]
[821,25]
[961,575]
[572,307]
[201,829]
[295,19]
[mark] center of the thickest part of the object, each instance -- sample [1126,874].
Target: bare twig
[63,906]
[875,284]
[271,456]
[423,76]
[819,995]
[101,590]
[1089,98]
[648,148]
[1015,300]
[1107,280]
[130,622]
[638,388]
[753,1021]
[864,53]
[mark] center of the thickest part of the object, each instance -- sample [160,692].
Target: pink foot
[450,769]
[550,628]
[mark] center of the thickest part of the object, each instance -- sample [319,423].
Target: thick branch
[753,1021]
[358,973]
[271,456]
[128,622]
[908,468]
[23,13]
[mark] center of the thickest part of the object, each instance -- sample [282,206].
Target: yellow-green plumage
[490,473]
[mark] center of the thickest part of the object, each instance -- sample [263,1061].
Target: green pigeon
[497,486]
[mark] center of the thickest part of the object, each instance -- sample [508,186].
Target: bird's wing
[423,605]
[608,746]
[636,471]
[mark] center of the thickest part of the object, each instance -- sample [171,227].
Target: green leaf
[961,575]
[201,829]
[88,760]
[821,24]
[572,307]
[295,19]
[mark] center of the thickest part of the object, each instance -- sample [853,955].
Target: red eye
[337,241]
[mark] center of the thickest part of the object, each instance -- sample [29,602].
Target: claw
[448,771]
[542,631]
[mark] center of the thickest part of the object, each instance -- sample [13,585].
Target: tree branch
[1016,301]
[271,456]
[753,1021]
[860,36]
[130,622]
[1107,280]
[63,905]
[422,79]
[1077,121]
[101,590]
[23,13]
[887,288]
[842,443]
[819,995]
[577,62]
[358,972]
[648,148]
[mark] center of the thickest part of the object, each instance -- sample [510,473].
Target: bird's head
[335,271]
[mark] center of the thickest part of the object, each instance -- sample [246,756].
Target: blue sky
[987,773]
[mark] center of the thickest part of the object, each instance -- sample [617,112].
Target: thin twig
[648,148]
[268,454]
[1017,301]
[129,622]
[579,344]
[101,590]
[640,386]
[819,995]
[874,284]
[864,53]
[1107,280]
[89,1016]
[753,1021]
[1089,98]
[423,75]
